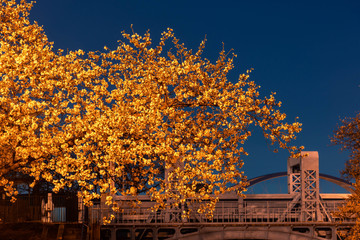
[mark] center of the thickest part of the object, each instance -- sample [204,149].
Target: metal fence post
[80,209]
[49,207]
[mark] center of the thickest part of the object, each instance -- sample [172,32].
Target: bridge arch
[338,181]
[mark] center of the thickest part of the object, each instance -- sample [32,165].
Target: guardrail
[226,211]
[68,208]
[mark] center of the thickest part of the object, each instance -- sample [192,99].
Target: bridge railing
[224,212]
[248,210]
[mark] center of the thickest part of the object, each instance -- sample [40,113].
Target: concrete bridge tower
[303,183]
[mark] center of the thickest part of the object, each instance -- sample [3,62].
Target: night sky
[308,52]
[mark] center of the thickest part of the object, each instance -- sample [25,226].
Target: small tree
[348,136]
[135,119]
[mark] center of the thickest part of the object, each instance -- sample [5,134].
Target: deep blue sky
[308,52]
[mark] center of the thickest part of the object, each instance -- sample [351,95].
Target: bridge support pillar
[303,179]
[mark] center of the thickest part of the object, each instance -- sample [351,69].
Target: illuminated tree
[348,136]
[36,86]
[140,118]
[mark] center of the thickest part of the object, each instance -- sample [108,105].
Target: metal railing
[253,212]
[62,208]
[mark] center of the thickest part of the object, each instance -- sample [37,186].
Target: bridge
[303,213]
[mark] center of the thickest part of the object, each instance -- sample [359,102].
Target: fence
[68,208]
[44,208]
[225,211]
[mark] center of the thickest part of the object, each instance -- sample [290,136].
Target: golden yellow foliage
[348,136]
[135,119]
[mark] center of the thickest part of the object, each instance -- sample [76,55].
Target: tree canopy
[140,118]
[348,136]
